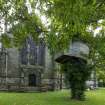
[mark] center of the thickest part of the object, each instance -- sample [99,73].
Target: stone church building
[28,68]
[32,68]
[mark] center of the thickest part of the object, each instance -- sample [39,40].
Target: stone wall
[17,77]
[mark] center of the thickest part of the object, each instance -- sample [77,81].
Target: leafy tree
[77,72]
[21,24]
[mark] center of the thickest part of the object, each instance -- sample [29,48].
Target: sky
[43,18]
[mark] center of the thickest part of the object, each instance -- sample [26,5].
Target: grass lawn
[96,97]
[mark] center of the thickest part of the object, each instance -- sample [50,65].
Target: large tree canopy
[71,18]
[68,18]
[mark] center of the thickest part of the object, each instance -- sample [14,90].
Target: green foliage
[101,75]
[76,73]
[97,53]
[6,41]
[70,18]
[22,25]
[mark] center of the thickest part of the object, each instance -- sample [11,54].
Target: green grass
[96,97]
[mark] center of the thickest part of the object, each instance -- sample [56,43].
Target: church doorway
[32,80]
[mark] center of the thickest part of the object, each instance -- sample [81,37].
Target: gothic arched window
[33,53]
